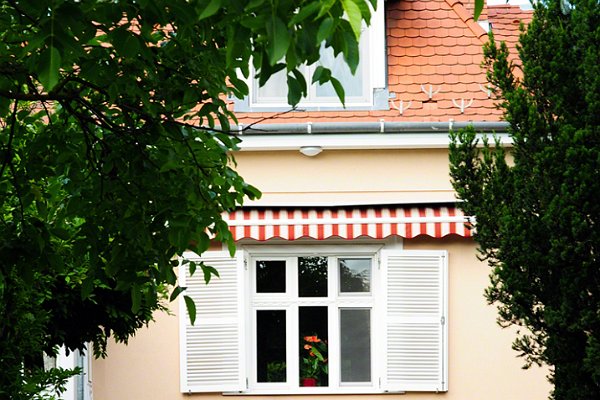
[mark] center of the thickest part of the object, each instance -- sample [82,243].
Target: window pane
[270,346]
[353,84]
[312,276]
[275,89]
[270,276]
[355,343]
[314,369]
[355,275]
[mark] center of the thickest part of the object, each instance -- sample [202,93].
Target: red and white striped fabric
[347,223]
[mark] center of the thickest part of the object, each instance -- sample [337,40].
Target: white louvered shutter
[415,320]
[212,354]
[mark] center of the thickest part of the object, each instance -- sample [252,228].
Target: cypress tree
[537,205]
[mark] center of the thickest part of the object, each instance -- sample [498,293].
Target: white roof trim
[270,142]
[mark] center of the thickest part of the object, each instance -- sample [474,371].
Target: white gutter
[361,135]
[381,126]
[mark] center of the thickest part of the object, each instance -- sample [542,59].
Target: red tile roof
[506,21]
[433,46]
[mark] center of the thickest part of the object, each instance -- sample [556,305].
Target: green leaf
[364,10]
[208,272]
[49,63]
[325,29]
[279,39]
[321,75]
[478,9]
[254,4]
[301,81]
[231,44]
[339,90]
[126,43]
[325,7]
[192,268]
[294,91]
[136,298]
[176,292]
[352,53]
[5,104]
[210,10]
[191,308]
[354,16]
[231,246]
[87,287]
[306,12]
[252,192]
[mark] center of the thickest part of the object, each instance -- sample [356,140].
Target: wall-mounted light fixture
[311,151]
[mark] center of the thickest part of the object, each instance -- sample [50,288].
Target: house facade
[355,274]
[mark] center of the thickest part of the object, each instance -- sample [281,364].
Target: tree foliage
[115,152]
[537,209]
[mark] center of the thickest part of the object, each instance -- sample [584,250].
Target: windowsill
[378,101]
[313,105]
[309,391]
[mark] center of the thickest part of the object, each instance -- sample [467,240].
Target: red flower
[311,339]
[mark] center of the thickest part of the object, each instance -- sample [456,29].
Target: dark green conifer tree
[538,207]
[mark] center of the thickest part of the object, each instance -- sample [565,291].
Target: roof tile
[433,42]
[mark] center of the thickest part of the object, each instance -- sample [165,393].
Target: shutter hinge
[378,261]
[247,384]
[245,263]
[380,383]
[443,320]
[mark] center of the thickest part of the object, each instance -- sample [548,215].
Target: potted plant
[313,364]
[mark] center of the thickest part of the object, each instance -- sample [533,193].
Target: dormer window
[357,87]
[364,90]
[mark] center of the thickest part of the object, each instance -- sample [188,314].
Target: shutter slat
[212,353]
[416,352]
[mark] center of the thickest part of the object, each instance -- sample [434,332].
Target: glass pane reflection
[314,366]
[312,276]
[270,276]
[355,275]
[270,346]
[355,343]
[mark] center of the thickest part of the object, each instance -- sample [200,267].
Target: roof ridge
[466,17]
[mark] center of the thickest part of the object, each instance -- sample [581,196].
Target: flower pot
[308,381]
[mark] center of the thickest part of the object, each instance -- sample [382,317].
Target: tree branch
[8,156]
[23,13]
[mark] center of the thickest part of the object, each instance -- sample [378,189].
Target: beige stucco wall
[482,365]
[340,177]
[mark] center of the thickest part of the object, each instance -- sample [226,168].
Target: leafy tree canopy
[538,215]
[115,152]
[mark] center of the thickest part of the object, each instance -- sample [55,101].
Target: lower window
[312,319]
[302,319]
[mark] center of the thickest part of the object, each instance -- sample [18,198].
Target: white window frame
[389,360]
[373,56]
[291,303]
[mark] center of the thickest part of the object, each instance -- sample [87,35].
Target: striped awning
[348,223]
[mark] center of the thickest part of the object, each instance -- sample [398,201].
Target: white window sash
[373,59]
[291,303]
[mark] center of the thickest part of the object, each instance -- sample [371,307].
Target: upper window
[317,319]
[364,90]
[357,87]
